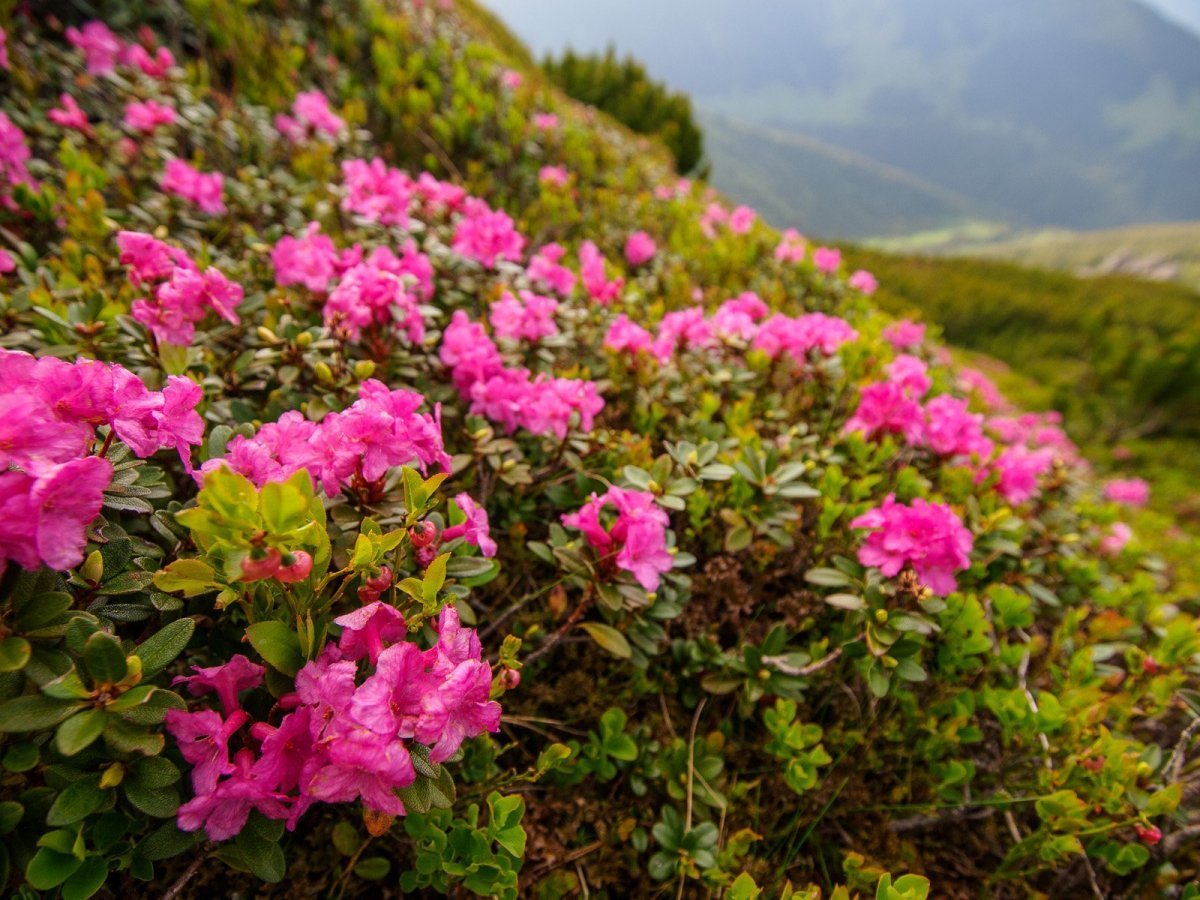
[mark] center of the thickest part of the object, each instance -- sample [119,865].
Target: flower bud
[423,534]
[298,570]
[364,369]
[93,568]
[1150,665]
[382,581]
[261,565]
[881,616]
[304,339]
[425,555]
[510,678]
[1148,836]
[323,372]
[266,335]
[367,595]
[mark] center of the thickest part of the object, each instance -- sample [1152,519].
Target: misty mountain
[1081,113]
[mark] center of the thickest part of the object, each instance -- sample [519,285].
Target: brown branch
[181,882]
[780,663]
[572,621]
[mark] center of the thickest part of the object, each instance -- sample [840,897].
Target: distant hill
[799,181]
[1069,113]
[1161,251]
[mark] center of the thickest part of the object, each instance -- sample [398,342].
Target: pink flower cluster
[375,294]
[545,271]
[515,398]
[636,540]
[555,176]
[50,489]
[103,51]
[864,282]
[346,736]
[376,192]
[928,536]
[904,335]
[353,448]
[182,295]
[529,319]
[595,278]
[146,117]
[486,235]
[204,189]
[827,260]
[1129,491]
[639,248]
[310,115]
[791,247]
[14,154]
[69,115]
[798,336]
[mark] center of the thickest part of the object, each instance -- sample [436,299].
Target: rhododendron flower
[4,63]
[224,811]
[928,536]
[468,352]
[827,260]
[511,80]
[904,335]
[69,115]
[911,373]
[595,279]
[545,272]
[148,116]
[801,335]
[310,260]
[203,739]
[474,529]
[626,336]
[100,47]
[637,536]
[864,281]
[1130,491]
[1116,539]
[183,300]
[545,121]
[149,260]
[738,318]
[368,296]
[226,681]
[887,408]
[200,188]
[7,263]
[62,501]
[791,247]
[530,319]
[554,175]
[310,113]
[14,154]
[376,192]
[742,219]
[714,214]
[1019,468]
[950,429]
[639,248]
[155,65]
[486,235]
[459,708]
[976,382]
[687,328]
[366,630]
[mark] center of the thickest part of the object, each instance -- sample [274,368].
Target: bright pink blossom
[625,336]
[365,631]
[545,121]
[486,235]
[1129,491]
[474,529]
[100,47]
[636,540]
[545,272]
[904,335]
[310,260]
[639,248]
[146,117]
[14,154]
[376,192]
[370,297]
[1019,469]
[827,260]
[864,282]
[595,279]
[928,536]
[553,175]
[69,115]
[226,681]
[529,319]
[201,188]
[310,114]
[950,429]
[742,219]
[1116,539]
[791,247]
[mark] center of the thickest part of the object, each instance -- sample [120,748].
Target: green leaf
[159,802]
[105,659]
[283,507]
[35,712]
[79,731]
[826,577]
[50,868]
[278,645]
[14,654]
[345,838]
[68,686]
[192,576]
[10,814]
[21,757]
[77,801]
[608,638]
[166,842]
[88,879]
[161,648]
[435,578]
[373,868]
[125,737]
[468,566]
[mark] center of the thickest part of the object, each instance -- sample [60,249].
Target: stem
[181,882]
[572,621]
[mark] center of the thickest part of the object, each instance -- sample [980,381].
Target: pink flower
[801,335]
[4,63]
[742,219]
[371,297]
[714,214]
[510,79]
[638,535]
[224,811]
[553,175]
[310,114]
[226,681]
[458,709]
[531,318]
[389,701]
[911,373]
[474,529]
[486,235]
[983,387]
[7,263]
[864,282]
[65,499]
[99,45]
[202,189]
[1129,491]
[545,121]
[376,192]
[149,259]
[887,408]
[310,260]
[639,248]
[69,115]
[148,116]
[14,154]
[952,430]
[827,260]
[203,739]
[792,247]
[595,279]
[156,65]
[1116,539]
[626,336]
[904,335]
[1019,468]
[361,767]
[929,536]
[545,272]
[468,352]
[183,300]
[440,197]
[367,630]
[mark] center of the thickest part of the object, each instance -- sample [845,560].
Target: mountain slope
[1082,113]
